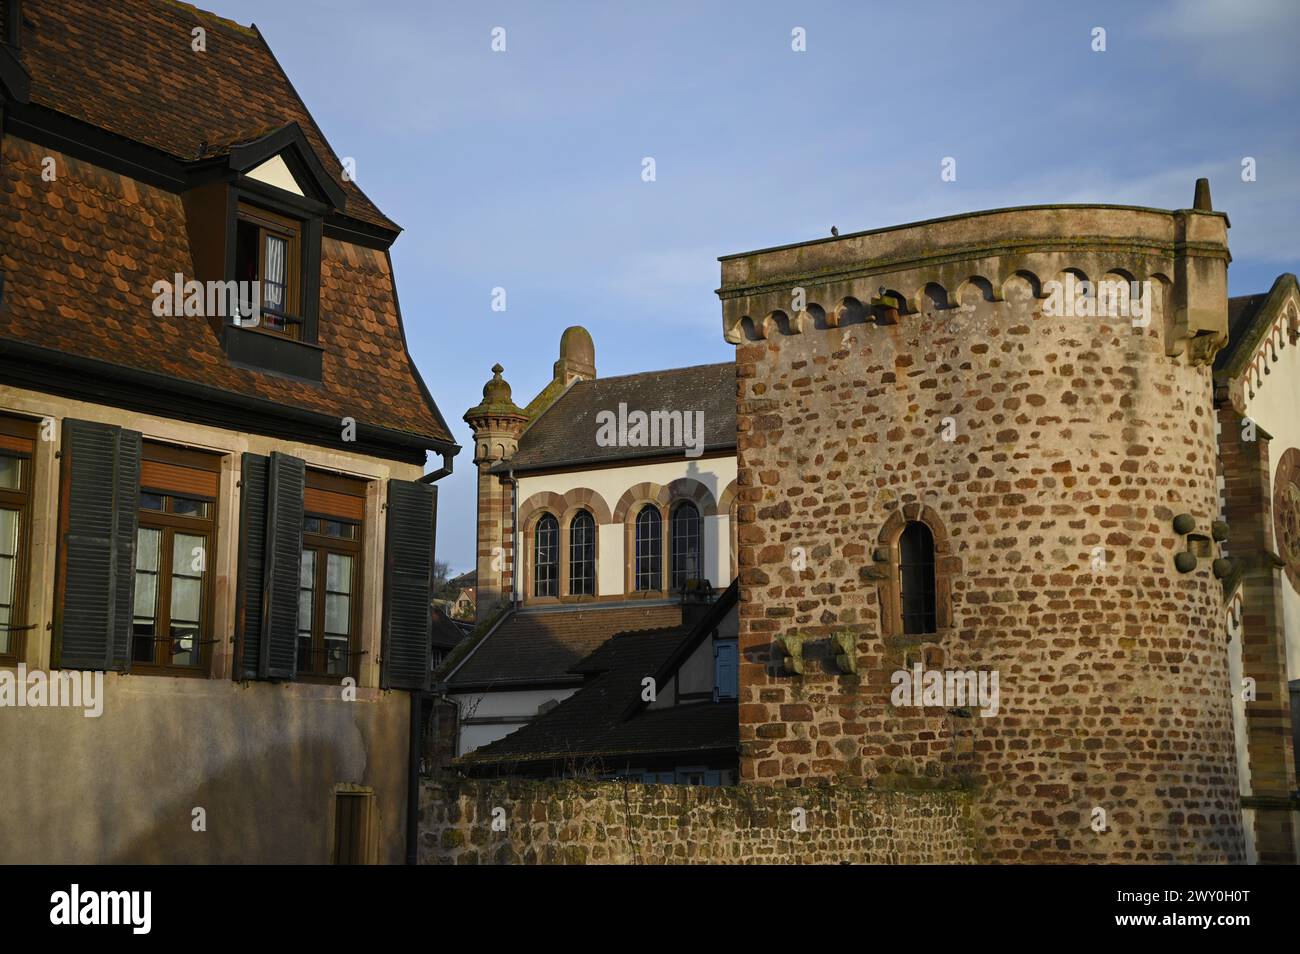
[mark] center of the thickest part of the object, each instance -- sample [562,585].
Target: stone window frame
[563,508]
[887,559]
[664,498]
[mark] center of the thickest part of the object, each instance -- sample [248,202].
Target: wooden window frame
[18,440]
[291,230]
[331,487]
[169,524]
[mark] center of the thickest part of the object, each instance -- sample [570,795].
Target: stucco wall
[263,760]
[580,822]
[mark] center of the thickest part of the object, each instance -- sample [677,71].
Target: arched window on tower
[546,557]
[582,555]
[686,552]
[649,549]
[916,583]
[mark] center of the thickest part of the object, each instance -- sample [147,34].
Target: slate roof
[128,67]
[541,646]
[80,255]
[446,634]
[1248,321]
[607,720]
[565,433]
[594,722]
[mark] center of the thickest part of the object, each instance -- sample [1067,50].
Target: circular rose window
[1286,513]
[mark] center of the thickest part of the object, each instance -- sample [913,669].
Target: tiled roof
[565,434]
[594,723]
[80,256]
[541,647]
[128,67]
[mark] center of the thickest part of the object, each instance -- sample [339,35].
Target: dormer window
[268,250]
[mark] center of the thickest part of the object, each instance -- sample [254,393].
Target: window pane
[189,507]
[686,545]
[546,557]
[189,557]
[11,472]
[273,281]
[582,555]
[338,574]
[8,575]
[306,599]
[649,549]
[152,502]
[143,632]
[916,578]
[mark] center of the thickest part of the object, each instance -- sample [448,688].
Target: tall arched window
[546,557]
[582,555]
[649,549]
[686,551]
[916,578]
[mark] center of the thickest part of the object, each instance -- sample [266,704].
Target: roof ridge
[250,30]
[638,374]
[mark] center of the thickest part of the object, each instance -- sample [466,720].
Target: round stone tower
[961,453]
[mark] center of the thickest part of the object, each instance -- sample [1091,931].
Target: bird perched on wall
[834,230]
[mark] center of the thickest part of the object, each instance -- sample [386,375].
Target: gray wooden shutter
[100,496]
[286,482]
[408,584]
[252,556]
[270,558]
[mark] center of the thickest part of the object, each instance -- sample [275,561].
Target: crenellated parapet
[885,276]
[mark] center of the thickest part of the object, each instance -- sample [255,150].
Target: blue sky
[522,169]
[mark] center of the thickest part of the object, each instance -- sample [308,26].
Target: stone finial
[577,355]
[1201,201]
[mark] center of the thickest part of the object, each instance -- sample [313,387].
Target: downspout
[441,472]
[514,539]
[413,780]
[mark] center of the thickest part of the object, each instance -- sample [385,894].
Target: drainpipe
[514,539]
[413,780]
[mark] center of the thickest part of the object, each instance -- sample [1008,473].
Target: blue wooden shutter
[726,684]
[408,584]
[100,495]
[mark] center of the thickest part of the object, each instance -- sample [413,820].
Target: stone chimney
[497,423]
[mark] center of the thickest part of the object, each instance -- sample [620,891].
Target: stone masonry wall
[579,822]
[1073,438]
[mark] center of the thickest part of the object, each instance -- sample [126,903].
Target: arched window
[582,555]
[916,578]
[649,549]
[685,551]
[546,557]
